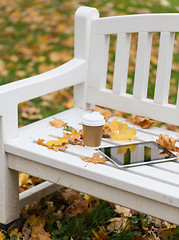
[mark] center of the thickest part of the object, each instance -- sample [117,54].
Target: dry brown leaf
[58,123]
[105,112]
[143,122]
[122,210]
[100,235]
[117,224]
[167,142]
[95,159]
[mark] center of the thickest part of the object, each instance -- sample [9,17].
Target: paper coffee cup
[93,129]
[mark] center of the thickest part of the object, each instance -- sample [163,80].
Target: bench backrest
[117,98]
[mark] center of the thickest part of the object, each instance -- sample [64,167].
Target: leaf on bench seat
[119,130]
[95,159]
[56,145]
[167,142]
[58,123]
[143,122]
[105,112]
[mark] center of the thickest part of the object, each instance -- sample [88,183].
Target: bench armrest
[69,74]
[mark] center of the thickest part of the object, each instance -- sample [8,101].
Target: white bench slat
[164,67]
[126,103]
[142,65]
[157,174]
[121,63]
[172,167]
[136,23]
[98,61]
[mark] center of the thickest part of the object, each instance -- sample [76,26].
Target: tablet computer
[137,154]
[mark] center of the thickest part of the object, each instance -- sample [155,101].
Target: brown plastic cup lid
[93,119]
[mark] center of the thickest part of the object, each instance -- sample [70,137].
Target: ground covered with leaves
[37,36]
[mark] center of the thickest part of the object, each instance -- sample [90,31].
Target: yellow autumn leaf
[2,237]
[126,134]
[95,159]
[56,143]
[113,125]
[36,221]
[75,134]
[40,141]
[23,178]
[67,135]
[16,233]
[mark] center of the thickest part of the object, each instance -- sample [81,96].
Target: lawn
[36,36]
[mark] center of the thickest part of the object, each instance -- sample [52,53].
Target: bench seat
[152,189]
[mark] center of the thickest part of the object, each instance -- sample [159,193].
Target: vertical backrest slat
[99,61]
[121,63]
[142,65]
[164,67]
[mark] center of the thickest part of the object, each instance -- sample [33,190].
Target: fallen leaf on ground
[95,159]
[2,236]
[167,142]
[100,235]
[105,112]
[30,113]
[14,234]
[23,178]
[58,123]
[117,224]
[122,210]
[143,122]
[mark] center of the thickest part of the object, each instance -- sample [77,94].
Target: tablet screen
[137,154]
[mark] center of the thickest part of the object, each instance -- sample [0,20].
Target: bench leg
[9,197]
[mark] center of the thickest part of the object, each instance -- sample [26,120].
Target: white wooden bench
[152,189]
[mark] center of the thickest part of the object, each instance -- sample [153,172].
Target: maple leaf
[95,159]
[79,206]
[58,123]
[117,224]
[119,130]
[14,234]
[101,234]
[143,122]
[167,142]
[76,134]
[2,236]
[23,178]
[41,141]
[57,143]
[105,112]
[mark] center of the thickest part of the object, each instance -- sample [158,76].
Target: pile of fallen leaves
[74,138]
[70,215]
